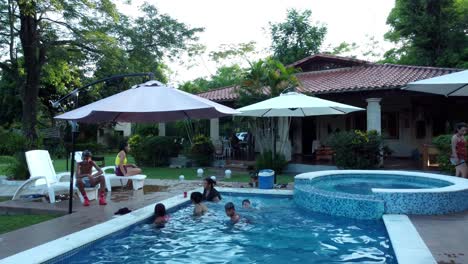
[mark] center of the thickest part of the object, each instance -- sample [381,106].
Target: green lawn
[12,222]
[169,173]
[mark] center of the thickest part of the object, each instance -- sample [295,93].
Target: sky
[241,21]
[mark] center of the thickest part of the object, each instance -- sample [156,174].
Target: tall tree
[429,33]
[49,47]
[296,38]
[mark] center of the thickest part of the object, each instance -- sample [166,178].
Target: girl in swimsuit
[161,218]
[210,194]
[122,168]
[458,158]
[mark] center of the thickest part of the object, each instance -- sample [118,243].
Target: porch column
[214,129]
[162,129]
[374,116]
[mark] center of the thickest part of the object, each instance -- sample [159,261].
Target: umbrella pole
[274,144]
[74,126]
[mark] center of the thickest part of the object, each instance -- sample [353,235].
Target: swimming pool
[275,231]
[371,194]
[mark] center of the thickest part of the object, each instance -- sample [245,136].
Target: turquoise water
[274,231]
[364,184]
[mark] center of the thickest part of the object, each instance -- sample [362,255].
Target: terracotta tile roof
[361,78]
[221,94]
[365,78]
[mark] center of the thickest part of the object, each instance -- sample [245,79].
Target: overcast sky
[240,21]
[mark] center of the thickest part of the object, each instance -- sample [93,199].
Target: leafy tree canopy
[48,48]
[296,38]
[429,33]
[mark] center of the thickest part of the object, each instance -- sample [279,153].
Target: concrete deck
[445,235]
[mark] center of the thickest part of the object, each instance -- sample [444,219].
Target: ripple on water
[274,231]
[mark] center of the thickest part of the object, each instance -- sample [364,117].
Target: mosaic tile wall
[374,206]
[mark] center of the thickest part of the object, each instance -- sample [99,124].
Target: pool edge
[408,246]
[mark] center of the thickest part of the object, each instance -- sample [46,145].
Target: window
[390,125]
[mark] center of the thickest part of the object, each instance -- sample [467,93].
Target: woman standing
[458,158]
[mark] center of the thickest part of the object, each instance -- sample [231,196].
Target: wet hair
[210,182]
[159,210]
[459,126]
[245,201]
[196,197]
[123,145]
[229,206]
[86,154]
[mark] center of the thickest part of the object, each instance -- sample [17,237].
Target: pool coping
[407,244]
[459,184]
[399,229]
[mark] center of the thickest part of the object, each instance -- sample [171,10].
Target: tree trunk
[33,60]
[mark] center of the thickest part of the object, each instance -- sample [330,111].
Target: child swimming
[200,208]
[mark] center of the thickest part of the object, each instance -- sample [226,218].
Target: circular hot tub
[370,194]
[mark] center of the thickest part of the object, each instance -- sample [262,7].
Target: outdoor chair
[44,180]
[114,180]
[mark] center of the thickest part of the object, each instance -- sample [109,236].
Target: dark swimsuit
[213,193]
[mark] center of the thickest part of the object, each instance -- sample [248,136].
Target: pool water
[364,184]
[274,231]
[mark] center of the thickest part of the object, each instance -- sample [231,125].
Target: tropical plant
[202,150]
[153,151]
[266,161]
[356,149]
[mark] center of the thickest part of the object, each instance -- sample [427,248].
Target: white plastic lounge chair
[44,180]
[114,180]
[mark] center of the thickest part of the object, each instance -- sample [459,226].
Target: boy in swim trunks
[86,179]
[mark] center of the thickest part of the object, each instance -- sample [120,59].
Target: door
[308,134]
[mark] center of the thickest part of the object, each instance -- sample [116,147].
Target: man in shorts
[86,179]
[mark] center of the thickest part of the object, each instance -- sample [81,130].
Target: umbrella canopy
[454,84]
[148,102]
[296,104]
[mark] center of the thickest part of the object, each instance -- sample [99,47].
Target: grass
[9,223]
[171,173]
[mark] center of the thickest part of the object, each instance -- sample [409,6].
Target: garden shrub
[357,149]
[12,142]
[265,161]
[444,145]
[17,168]
[146,129]
[202,150]
[153,150]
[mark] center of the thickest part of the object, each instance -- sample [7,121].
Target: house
[406,119]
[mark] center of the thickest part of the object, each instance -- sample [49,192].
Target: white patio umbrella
[454,84]
[293,104]
[149,102]
[296,104]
